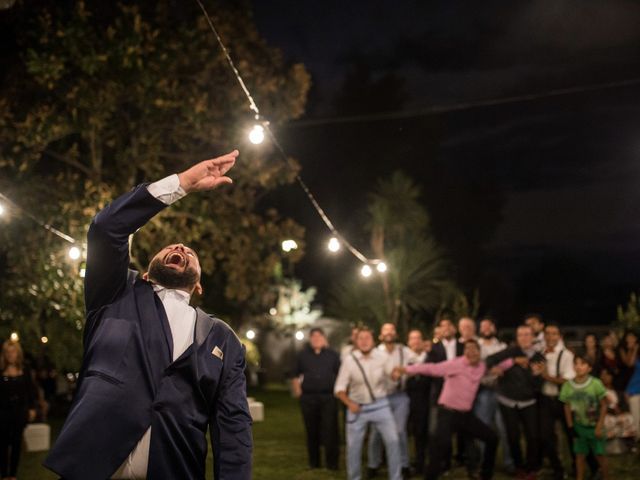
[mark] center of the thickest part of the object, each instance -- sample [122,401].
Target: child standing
[585,407]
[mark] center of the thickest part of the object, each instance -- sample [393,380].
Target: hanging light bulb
[299,335]
[381,267]
[44,340]
[251,334]
[334,244]
[288,245]
[14,336]
[74,253]
[256,135]
[366,271]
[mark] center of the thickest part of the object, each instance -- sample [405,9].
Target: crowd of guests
[463,393]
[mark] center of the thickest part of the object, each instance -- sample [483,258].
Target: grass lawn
[280,451]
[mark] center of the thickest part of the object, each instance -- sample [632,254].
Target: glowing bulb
[1,209]
[299,335]
[334,244]
[14,336]
[44,340]
[381,267]
[256,135]
[74,253]
[251,334]
[289,245]
[273,311]
[83,272]
[366,271]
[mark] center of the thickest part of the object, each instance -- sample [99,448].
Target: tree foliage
[100,96]
[629,315]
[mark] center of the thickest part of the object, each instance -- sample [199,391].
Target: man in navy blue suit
[156,373]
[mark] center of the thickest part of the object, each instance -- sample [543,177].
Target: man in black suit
[156,372]
[446,348]
[418,390]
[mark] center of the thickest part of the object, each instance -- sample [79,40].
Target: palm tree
[418,273]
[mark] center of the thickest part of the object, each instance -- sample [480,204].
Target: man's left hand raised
[208,174]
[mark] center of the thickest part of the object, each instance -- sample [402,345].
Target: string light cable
[265,126]
[31,216]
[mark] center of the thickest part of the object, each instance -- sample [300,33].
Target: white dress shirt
[489,346]
[450,347]
[376,367]
[400,356]
[182,321]
[566,368]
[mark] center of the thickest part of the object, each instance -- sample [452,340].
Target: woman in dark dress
[18,398]
[591,350]
[627,352]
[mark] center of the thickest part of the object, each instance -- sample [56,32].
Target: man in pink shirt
[462,377]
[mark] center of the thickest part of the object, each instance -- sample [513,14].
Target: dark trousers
[469,426]
[420,438]
[418,426]
[10,446]
[320,414]
[527,418]
[550,410]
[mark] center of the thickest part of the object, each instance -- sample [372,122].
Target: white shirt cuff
[167,190]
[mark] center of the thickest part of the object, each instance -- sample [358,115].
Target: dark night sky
[537,201]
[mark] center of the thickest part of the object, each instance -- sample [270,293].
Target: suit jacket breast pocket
[109,345]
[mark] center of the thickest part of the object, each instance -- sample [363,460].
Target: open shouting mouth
[176,259]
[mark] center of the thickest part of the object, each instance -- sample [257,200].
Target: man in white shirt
[558,369]
[156,372]
[361,386]
[398,355]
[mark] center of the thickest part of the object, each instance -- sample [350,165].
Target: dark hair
[583,357]
[489,318]
[317,330]
[364,328]
[627,332]
[554,325]
[608,371]
[472,340]
[445,318]
[591,334]
[537,316]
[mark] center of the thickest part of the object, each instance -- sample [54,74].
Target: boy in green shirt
[585,407]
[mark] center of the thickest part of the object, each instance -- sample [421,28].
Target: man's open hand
[208,174]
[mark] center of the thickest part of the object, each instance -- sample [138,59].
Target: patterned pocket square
[216,352]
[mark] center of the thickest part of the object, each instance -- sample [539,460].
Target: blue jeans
[378,414]
[486,409]
[399,403]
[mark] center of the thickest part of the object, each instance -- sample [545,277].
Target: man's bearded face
[175,266]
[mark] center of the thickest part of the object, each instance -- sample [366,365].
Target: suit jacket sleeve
[108,247]
[230,421]
[496,358]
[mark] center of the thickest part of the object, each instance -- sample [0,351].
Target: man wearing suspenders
[399,355]
[361,386]
[558,369]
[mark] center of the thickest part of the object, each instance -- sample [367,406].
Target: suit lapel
[204,324]
[155,329]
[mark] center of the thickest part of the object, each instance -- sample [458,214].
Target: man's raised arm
[108,245]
